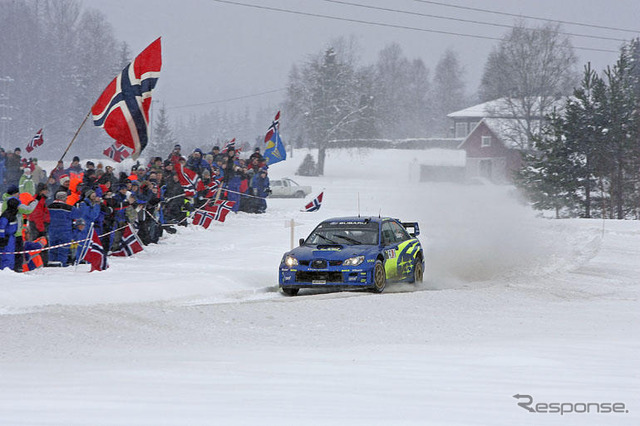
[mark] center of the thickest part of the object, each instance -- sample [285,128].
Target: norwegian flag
[229,145]
[130,244]
[273,128]
[117,152]
[314,205]
[37,141]
[123,108]
[204,217]
[95,254]
[220,209]
[190,181]
[212,188]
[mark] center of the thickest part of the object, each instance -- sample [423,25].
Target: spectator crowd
[57,210]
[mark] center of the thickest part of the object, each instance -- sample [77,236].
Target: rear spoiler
[414,225]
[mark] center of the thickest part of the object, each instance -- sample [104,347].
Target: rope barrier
[62,245]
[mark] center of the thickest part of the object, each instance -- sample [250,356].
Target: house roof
[479,110]
[499,108]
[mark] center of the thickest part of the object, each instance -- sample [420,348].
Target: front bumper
[338,277]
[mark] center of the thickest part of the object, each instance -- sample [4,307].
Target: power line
[515,15]
[358,21]
[381,24]
[220,101]
[470,21]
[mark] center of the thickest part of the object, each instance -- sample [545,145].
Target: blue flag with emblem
[275,151]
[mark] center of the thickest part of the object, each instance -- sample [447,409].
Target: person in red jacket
[39,218]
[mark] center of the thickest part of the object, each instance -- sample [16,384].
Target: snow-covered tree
[48,50]
[448,92]
[162,141]
[402,90]
[530,69]
[325,99]
[587,158]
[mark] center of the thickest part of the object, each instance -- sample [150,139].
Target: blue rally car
[351,253]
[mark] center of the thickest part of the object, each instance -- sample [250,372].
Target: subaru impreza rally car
[351,253]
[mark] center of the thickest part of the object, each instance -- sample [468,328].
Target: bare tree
[448,93]
[529,70]
[402,89]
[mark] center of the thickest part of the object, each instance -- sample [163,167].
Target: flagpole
[76,135]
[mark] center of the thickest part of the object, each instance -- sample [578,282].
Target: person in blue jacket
[197,163]
[61,228]
[260,188]
[89,210]
[78,233]
[8,228]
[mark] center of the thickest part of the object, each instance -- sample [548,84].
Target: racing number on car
[390,254]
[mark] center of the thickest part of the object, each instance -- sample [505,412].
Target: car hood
[332,251]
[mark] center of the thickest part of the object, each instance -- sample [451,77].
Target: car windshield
[344,233]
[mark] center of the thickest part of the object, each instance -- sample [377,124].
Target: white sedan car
[287,188]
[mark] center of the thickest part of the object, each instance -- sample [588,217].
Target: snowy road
[193,332]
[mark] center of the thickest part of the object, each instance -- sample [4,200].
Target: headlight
[290,261]
[353,261]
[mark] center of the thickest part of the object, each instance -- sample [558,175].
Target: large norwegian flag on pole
[130,243]
[273,128]
[36,141]
[95,254]
[123,108]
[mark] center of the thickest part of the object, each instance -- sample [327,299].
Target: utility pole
[5,108]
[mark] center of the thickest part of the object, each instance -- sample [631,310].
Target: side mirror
[301,241]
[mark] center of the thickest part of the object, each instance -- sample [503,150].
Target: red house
[493,150]
[495,133]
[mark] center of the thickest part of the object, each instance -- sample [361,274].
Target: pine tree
[549,175]
[163,141]
[622,132]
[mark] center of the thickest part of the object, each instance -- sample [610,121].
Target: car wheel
[379,277]
[299,194]
[290,291]
[418,271]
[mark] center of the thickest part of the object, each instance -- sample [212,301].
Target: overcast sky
[214,51]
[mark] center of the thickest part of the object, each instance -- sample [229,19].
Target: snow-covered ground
[193,331]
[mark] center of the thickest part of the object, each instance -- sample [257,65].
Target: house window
[486,141]
[461,130]
[472,125]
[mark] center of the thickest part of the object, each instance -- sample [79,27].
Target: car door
[390,250]
[404,250]
[286,188]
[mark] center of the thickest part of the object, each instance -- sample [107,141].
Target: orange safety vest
[32,259]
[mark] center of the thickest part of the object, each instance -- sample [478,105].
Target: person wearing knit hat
[26,182]
[75,166]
